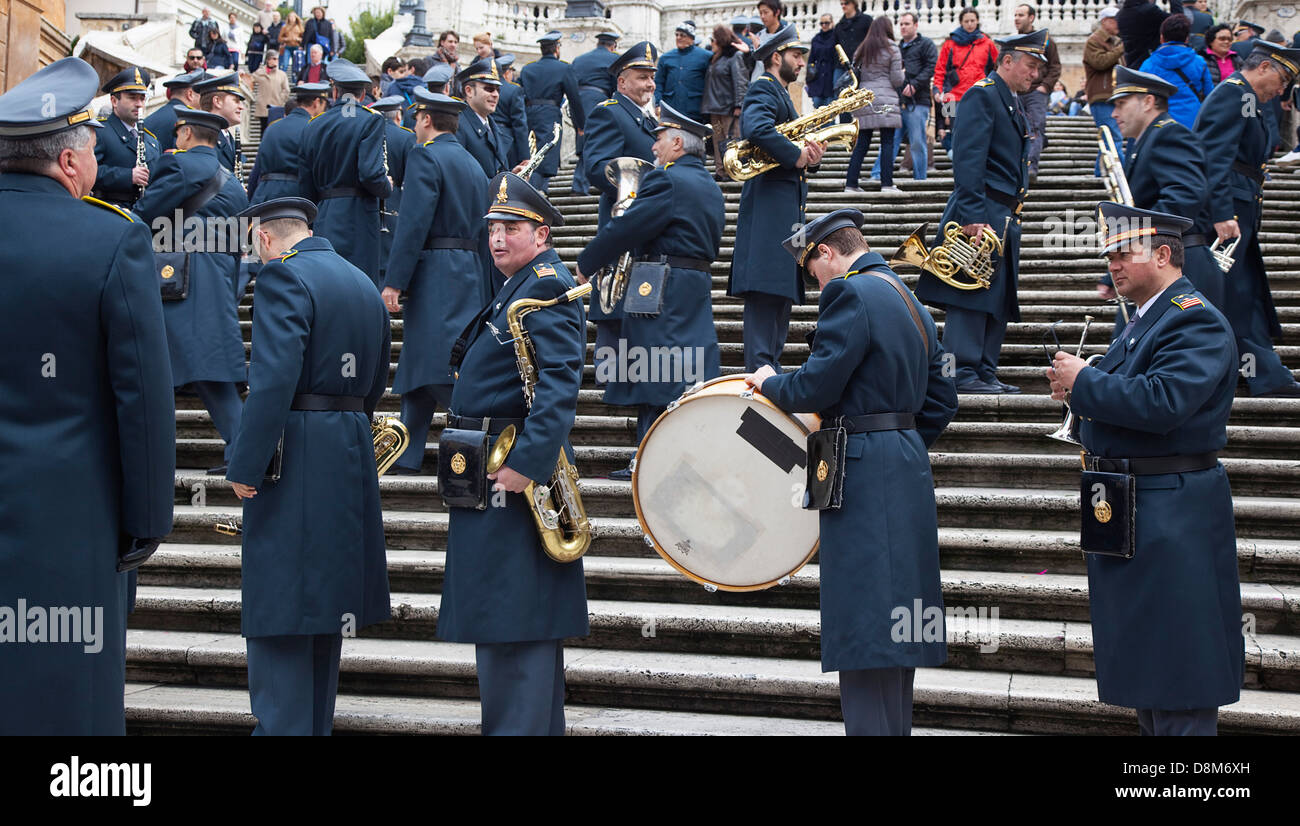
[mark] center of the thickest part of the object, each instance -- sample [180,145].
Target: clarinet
[139,156]
[239,159]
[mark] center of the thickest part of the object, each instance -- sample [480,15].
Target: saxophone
[536,156]
[390,437]
[743,160]
[557,507]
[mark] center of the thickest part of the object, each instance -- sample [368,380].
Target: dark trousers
[766,325]
[1035,106]
[975,341]
[418,407]
[860,148]
[645,417]
[521,687]
[877,702]
[221,398]
[293,682]
[1196,722]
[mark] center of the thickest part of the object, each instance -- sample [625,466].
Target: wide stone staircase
[665,656]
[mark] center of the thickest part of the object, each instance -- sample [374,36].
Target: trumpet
[390,438]
[957,254]
[1223,255]
[1065,433]
[1113,168]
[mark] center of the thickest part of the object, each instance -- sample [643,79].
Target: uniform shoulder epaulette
[145,130]
[1186,301]
[607,102]
[543,270]
[762,77]
[412,131]
[1163,122]
[286,255]
[1235,80]
[318,114]
[984,82]
[102,118]
[172,151]
[670,163]
[428,143]
[107,205]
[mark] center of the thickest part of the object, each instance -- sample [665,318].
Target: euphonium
[536,156]
[1113,169]
[957,254]
[743,160]
[557,507]
[390,437]
[625,174]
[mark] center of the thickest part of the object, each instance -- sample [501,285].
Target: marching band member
[771,203]
[481,85]
[1166,622]
[545,82]
[400,143]
[1231,127]
[501,591]
[877,370]
[435,264]
[591,70]
[277,156]
[313,554]
[676,217]
[222,95]
[990,173]
[86,405]
[510,116]
[161,124]
[120,180]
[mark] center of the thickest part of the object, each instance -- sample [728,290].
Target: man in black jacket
[199,31]
[849,33]
[1139,27]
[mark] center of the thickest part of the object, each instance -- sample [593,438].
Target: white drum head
[718,488]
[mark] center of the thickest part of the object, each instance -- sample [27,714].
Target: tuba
[536,156]
[743,160]
[390,437]
[625,174]
[957,254]
[556,506]
[1113,169]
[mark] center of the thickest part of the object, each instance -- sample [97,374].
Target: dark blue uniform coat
[203,328]
[1166,624]
[115,152]
[162,123]
[616,128]
[500,586]
[483,142]
[770,204]
[226,151]
[880,550]
[511,119]
[680,79]
[314,540]
[278,154]
[545,82]
[990,151]
[86,405]
[343,148]
[595,84]
[442,288]
[678,210]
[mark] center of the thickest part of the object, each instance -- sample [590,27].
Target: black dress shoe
[1286,391]
[622,474]
[980,387]
[398,470]
[218,471]
[1006,388]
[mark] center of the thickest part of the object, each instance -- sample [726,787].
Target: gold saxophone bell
[955,256]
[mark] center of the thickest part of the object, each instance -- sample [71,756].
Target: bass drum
[718,487]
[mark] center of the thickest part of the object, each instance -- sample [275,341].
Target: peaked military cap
[389,104]
[550,37]
[483,70]
[130,79]
[1120,224]
[1034,43]
[344,71]
[644,55]
[439,73]
[186,80]
[756,23]
[802,243]
[1288,59]
[670,118]
[1246,24]
[608,35]
[786,37]
[319,90]
[228,83]
[299,208]
[739,20]
[1132,82]
[426,101]
[505,61]
[53,99]
[514,199]
[198,117]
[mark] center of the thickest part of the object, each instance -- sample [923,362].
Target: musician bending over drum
[877,370]
[1157,511]
[675,222]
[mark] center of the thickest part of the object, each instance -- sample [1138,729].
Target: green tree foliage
[370,22]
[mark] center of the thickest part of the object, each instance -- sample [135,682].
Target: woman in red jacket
[966,56]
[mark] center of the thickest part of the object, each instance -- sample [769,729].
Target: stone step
[1273,608]
[979,528]
[1020,645]
[702,683]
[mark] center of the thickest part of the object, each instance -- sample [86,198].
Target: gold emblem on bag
[168,271]
[823,469]
[1101,511]
[458,465]
[645,288]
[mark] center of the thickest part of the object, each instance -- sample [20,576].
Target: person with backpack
[1177,64]
[967,56]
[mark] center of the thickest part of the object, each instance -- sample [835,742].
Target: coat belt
[873,422]
[449,243]
[344,192]
[681,261]
[492,424]
[278,176]
[321,402]
[1151,465]
[1009,201]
